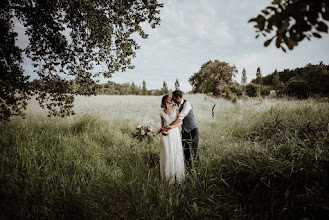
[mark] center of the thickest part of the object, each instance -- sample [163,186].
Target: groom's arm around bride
[190,131]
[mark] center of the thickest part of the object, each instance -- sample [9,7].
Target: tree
[133,89]
[67,38]
[177,85]
[164,89]
[244,77]
[144,88]
[276,80]
[308,81]
[213,77]
[259,79]
[293,20]
[301,82]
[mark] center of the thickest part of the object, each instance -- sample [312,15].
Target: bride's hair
[164,100]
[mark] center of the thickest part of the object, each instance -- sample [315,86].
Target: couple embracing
[177,111]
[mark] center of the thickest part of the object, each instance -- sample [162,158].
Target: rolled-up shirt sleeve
[186,109]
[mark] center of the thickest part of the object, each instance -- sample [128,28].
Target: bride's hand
[168,127]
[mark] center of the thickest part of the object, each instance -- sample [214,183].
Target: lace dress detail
[171,151]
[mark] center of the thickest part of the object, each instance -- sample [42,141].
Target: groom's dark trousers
[190,145]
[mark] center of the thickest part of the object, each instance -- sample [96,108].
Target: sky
[193,32]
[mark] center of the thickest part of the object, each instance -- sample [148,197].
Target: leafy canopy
[164,88]
[292,21]
[177,85]
[259,79]
[67,39]
[213,77]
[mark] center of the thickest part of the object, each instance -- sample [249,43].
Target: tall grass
[259,159]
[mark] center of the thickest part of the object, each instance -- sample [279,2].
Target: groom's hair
[177,93]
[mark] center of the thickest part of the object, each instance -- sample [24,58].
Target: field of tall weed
[259,159]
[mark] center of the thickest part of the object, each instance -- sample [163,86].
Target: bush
[297,88]
[236,89]
[251,90]
[265,91]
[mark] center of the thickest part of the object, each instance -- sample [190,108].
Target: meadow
[259,159]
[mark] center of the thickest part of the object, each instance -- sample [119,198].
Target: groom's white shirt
[186,109]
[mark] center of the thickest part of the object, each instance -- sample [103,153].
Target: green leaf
[289,42]
[316,35]
[276,2]
[268,42]
[272,8]
[278,42]
[265,12]
[252,20]
[284,49]
[268,30]
[322,27]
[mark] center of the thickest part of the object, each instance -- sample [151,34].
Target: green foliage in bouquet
[144,132]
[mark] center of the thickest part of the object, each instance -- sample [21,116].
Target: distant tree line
[216,78]
[110,88]
[308,81]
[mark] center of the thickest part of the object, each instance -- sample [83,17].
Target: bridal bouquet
[144,131]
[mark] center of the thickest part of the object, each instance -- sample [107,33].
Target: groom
[190,131]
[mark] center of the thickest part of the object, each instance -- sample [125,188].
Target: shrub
[265,91]
[251,90]
[297,88]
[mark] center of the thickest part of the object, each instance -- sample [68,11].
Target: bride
[171,151]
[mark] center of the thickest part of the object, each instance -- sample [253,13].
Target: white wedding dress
[171,151]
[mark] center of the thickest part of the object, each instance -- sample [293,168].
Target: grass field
[259,159]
